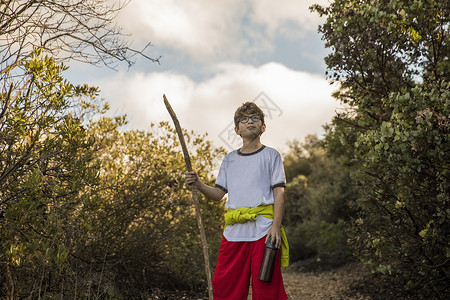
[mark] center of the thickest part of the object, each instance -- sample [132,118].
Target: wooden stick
[194,196]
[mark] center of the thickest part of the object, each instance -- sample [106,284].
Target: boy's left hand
[275,235]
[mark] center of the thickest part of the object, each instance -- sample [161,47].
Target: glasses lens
[243,119]
[255,118]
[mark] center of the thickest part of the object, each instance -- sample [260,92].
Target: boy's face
[250,127]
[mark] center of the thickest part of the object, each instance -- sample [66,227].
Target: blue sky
[215,56]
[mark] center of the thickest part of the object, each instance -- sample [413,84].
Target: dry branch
[194,196]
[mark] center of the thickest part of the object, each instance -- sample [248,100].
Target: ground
[319,278]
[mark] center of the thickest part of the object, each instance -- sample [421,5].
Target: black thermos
[268,262]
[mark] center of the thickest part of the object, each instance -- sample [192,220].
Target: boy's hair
[247,109]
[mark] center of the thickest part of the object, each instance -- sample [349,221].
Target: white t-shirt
[249,180]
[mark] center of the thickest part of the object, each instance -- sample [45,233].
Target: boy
[253,176]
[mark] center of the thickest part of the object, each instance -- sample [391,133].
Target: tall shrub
[391,59]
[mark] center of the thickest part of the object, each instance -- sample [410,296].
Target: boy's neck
[250,146]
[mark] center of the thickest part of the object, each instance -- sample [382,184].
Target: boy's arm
[209,191]
[278,211]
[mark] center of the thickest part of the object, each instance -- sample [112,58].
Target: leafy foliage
[318,193]
[88,209]
[151,210]
[391,60]
[46,161]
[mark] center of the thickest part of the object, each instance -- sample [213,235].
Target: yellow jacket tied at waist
[244,214]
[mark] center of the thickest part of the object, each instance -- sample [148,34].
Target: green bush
[390,59]
[317,202]
[89,210]
[333,240]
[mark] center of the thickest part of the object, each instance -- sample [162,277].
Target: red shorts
[237,263]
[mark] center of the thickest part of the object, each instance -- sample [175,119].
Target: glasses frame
[254,118]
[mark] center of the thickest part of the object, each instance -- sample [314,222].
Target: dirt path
[332,284]
[317,279]
[351,281]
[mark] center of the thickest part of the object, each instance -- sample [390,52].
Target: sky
[216,55]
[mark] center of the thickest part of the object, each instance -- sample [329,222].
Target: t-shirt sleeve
[278,179]
[221,180]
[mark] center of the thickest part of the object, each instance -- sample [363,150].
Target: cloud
[301,102]
[200,27]
[220,29]
[288,17]
[139,95]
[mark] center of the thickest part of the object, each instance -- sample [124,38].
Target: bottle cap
[269,245]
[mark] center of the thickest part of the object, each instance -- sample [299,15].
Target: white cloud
[288,17]
[219,29]
[304,100]
[200,27]
[140,95]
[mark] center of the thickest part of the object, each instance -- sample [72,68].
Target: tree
[39,118]
[391,61]
[69,30]
[63,30]
[88,208]
[45,163]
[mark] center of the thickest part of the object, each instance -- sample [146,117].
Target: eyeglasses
[245,119]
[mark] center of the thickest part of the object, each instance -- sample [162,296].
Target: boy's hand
[275,235]
[214,193]
[191,178]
